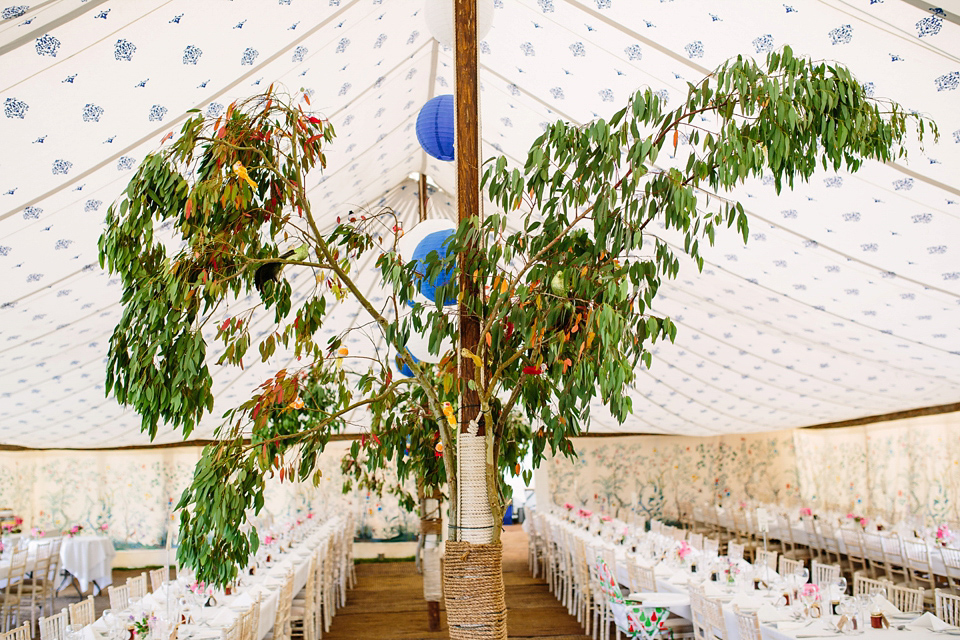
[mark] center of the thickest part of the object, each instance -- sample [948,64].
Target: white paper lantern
[439,15]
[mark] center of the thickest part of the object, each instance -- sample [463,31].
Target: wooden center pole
[468,191]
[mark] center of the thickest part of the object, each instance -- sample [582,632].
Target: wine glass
[73,632]
[803,574]
[838,590]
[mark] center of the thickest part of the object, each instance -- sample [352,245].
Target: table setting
[788,607]
[187,610]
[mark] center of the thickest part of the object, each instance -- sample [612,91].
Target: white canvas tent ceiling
[844,303]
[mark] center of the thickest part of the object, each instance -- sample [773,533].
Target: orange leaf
[488,339]
[676,138]
[188,210]
[312,138]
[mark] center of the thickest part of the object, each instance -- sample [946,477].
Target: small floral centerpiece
[606,518]
[568,506]
[104,527]
[861,520]
[944,535]
[731,571]
[74,530]
[141,626]
[806,512]
[683,550]
[36,532]
[584,513]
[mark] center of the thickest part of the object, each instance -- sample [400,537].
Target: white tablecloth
[267,583]
[88,559]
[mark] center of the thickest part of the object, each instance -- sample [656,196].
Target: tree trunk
[472,575]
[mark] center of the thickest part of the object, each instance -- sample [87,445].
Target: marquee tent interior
[843,304]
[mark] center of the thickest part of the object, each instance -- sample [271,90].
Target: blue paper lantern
[403,367]
[435,128]
[437,241]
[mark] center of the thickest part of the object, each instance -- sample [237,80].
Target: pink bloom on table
[584,513]
[567,506]
[17,521]
[943,533]
[850,516]
[863,522]
[104,527]
[806,511]
[683,549]
[268,540]
[74,529]
[606,518]
[810,589]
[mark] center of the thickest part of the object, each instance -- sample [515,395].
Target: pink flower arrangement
[200,588]
[944,535]
[104,527]
[861,520]
[806,511]
[568,506]
[683,549]
[584,513]
[606,518]
[268,540]
[75,529]
[810,590]
[36,533]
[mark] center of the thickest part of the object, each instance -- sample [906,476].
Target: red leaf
[314,120]
[532,371]
[226,323]
[188,209]
[312,138]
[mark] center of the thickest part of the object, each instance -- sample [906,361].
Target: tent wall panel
[134,492]
[899,469]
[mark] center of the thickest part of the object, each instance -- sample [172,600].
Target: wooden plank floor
[388,602]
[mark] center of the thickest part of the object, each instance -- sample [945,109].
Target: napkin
[713,590]
[194,632]
[657,599]
[929,621]
[662,570]
[224,618]
[789,625]
[769,613]
[243,601]
[744,601]
[885,606]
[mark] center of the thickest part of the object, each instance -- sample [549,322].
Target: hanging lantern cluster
[435,123]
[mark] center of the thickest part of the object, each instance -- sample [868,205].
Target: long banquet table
[267,583]
[777,625]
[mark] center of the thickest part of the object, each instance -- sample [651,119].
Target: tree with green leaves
[563,273]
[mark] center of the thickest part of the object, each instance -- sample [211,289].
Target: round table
[88,559]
